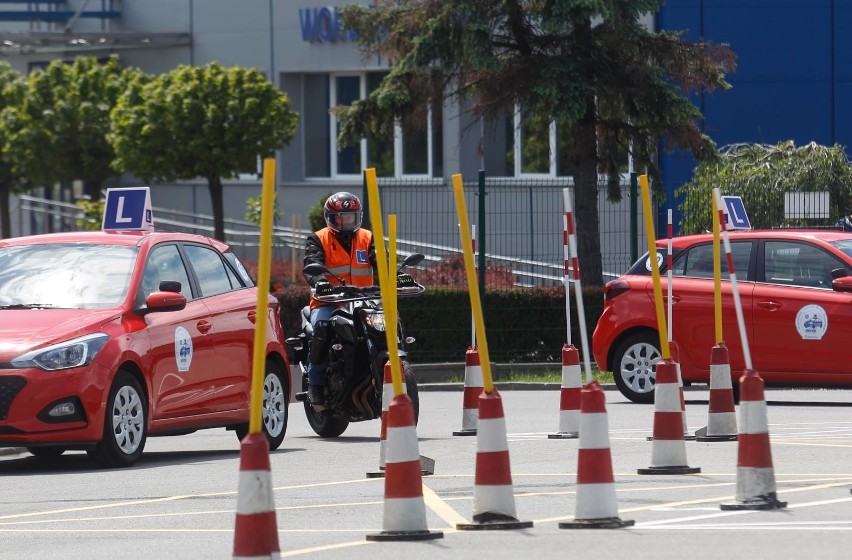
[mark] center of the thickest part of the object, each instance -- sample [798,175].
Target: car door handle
[770,305]
[252,316]
[204,326]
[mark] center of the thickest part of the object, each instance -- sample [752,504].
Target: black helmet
[343,212]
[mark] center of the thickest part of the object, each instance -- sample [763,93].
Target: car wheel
[47,452]
[125,424]
[274,409]
[635,366]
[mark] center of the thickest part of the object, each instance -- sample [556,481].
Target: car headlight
[72,353]
[375,321]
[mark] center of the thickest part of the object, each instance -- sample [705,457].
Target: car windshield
[844,245]
[65,275]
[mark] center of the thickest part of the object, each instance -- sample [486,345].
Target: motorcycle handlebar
[342,294]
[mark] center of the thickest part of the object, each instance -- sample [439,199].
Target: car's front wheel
[634,365]
[125,424]
[274,411]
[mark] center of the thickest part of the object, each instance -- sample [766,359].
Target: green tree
[201,121]
[591,66]
[11,90]
[761,174]
[59,130]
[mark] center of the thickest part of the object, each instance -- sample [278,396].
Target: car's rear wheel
[634,365]
[274,411]
[125,424]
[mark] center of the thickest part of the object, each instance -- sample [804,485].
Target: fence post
[634,220]
[480,243]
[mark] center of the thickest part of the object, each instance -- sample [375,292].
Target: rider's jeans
[316,372]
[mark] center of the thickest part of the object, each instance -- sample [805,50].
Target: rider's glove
[323,288]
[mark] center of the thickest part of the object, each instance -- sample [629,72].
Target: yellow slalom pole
[655,271]
[267,202]
[384,274]
[717,273]
[472,284]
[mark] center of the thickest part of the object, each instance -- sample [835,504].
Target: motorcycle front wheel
[323,424]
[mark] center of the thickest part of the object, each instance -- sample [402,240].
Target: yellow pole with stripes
[655,271]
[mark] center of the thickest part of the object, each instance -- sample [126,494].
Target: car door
[803,325]
[181,357]
[233,309]
[693,309]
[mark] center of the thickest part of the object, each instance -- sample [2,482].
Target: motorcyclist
[348,251]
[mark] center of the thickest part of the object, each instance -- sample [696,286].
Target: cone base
[761,502]
[376,474]
[731,437]
[465,433]
[564,435]
[685,437]
[669,470]
[605,523]
[406,536]
[493,521]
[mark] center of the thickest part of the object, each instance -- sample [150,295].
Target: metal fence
[522,230]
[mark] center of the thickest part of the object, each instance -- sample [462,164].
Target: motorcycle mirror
[413,259]
[316,269]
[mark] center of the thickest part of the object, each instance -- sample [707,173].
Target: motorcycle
[356,349]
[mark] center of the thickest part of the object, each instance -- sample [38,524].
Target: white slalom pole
[669,271]
[566,282]
[578,291]
[730,260]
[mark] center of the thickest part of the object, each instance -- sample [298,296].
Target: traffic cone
[493,497]
[755,475]
[404,510]
[668,455]
[472,390]
[596,505]
[569,397]
[675,352]
[255,531]
[387,397]
[721,417]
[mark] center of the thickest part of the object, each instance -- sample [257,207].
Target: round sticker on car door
[183,349]
[812,322]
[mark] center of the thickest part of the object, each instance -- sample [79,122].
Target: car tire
[125,424]
[47,452]
[634,366]
[275,411]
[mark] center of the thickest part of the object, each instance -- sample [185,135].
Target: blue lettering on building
[323,25]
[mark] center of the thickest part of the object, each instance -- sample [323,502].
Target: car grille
[10,386]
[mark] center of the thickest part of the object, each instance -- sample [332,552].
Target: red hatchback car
[109,337]
[796,294]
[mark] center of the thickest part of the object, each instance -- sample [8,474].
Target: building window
[414,150]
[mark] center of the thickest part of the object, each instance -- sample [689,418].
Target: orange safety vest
[354,267]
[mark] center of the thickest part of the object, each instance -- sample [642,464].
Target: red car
[796,294]
[107,338]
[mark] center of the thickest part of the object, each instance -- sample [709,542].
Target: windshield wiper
[27,306]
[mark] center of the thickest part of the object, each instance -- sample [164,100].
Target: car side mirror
[164,301]
[842,284]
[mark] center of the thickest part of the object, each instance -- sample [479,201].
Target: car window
[214,275]
[69,275]
[165,263]
[791,263]
[697,261]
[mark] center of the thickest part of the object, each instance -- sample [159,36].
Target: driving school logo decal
[183,349]
[812,322]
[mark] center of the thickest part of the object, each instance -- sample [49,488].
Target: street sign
[128,209]
[735,213]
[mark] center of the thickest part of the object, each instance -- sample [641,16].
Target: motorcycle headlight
[375,321]
[70,354]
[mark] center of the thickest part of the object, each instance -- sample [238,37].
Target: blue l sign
[128,209]
[735,213]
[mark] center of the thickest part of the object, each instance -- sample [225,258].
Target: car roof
[111,238]
[827,235]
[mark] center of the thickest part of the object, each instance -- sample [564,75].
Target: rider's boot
[316,396]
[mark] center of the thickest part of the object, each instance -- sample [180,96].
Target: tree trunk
[5,212]
[586,204]
[214,184]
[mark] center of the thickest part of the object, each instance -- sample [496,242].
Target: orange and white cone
[404,510]
[569,396]
[596,505]
[387,397]
[755,475]
[493,496]
[255,531]
[668,455]
[472,390]
[721,417]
